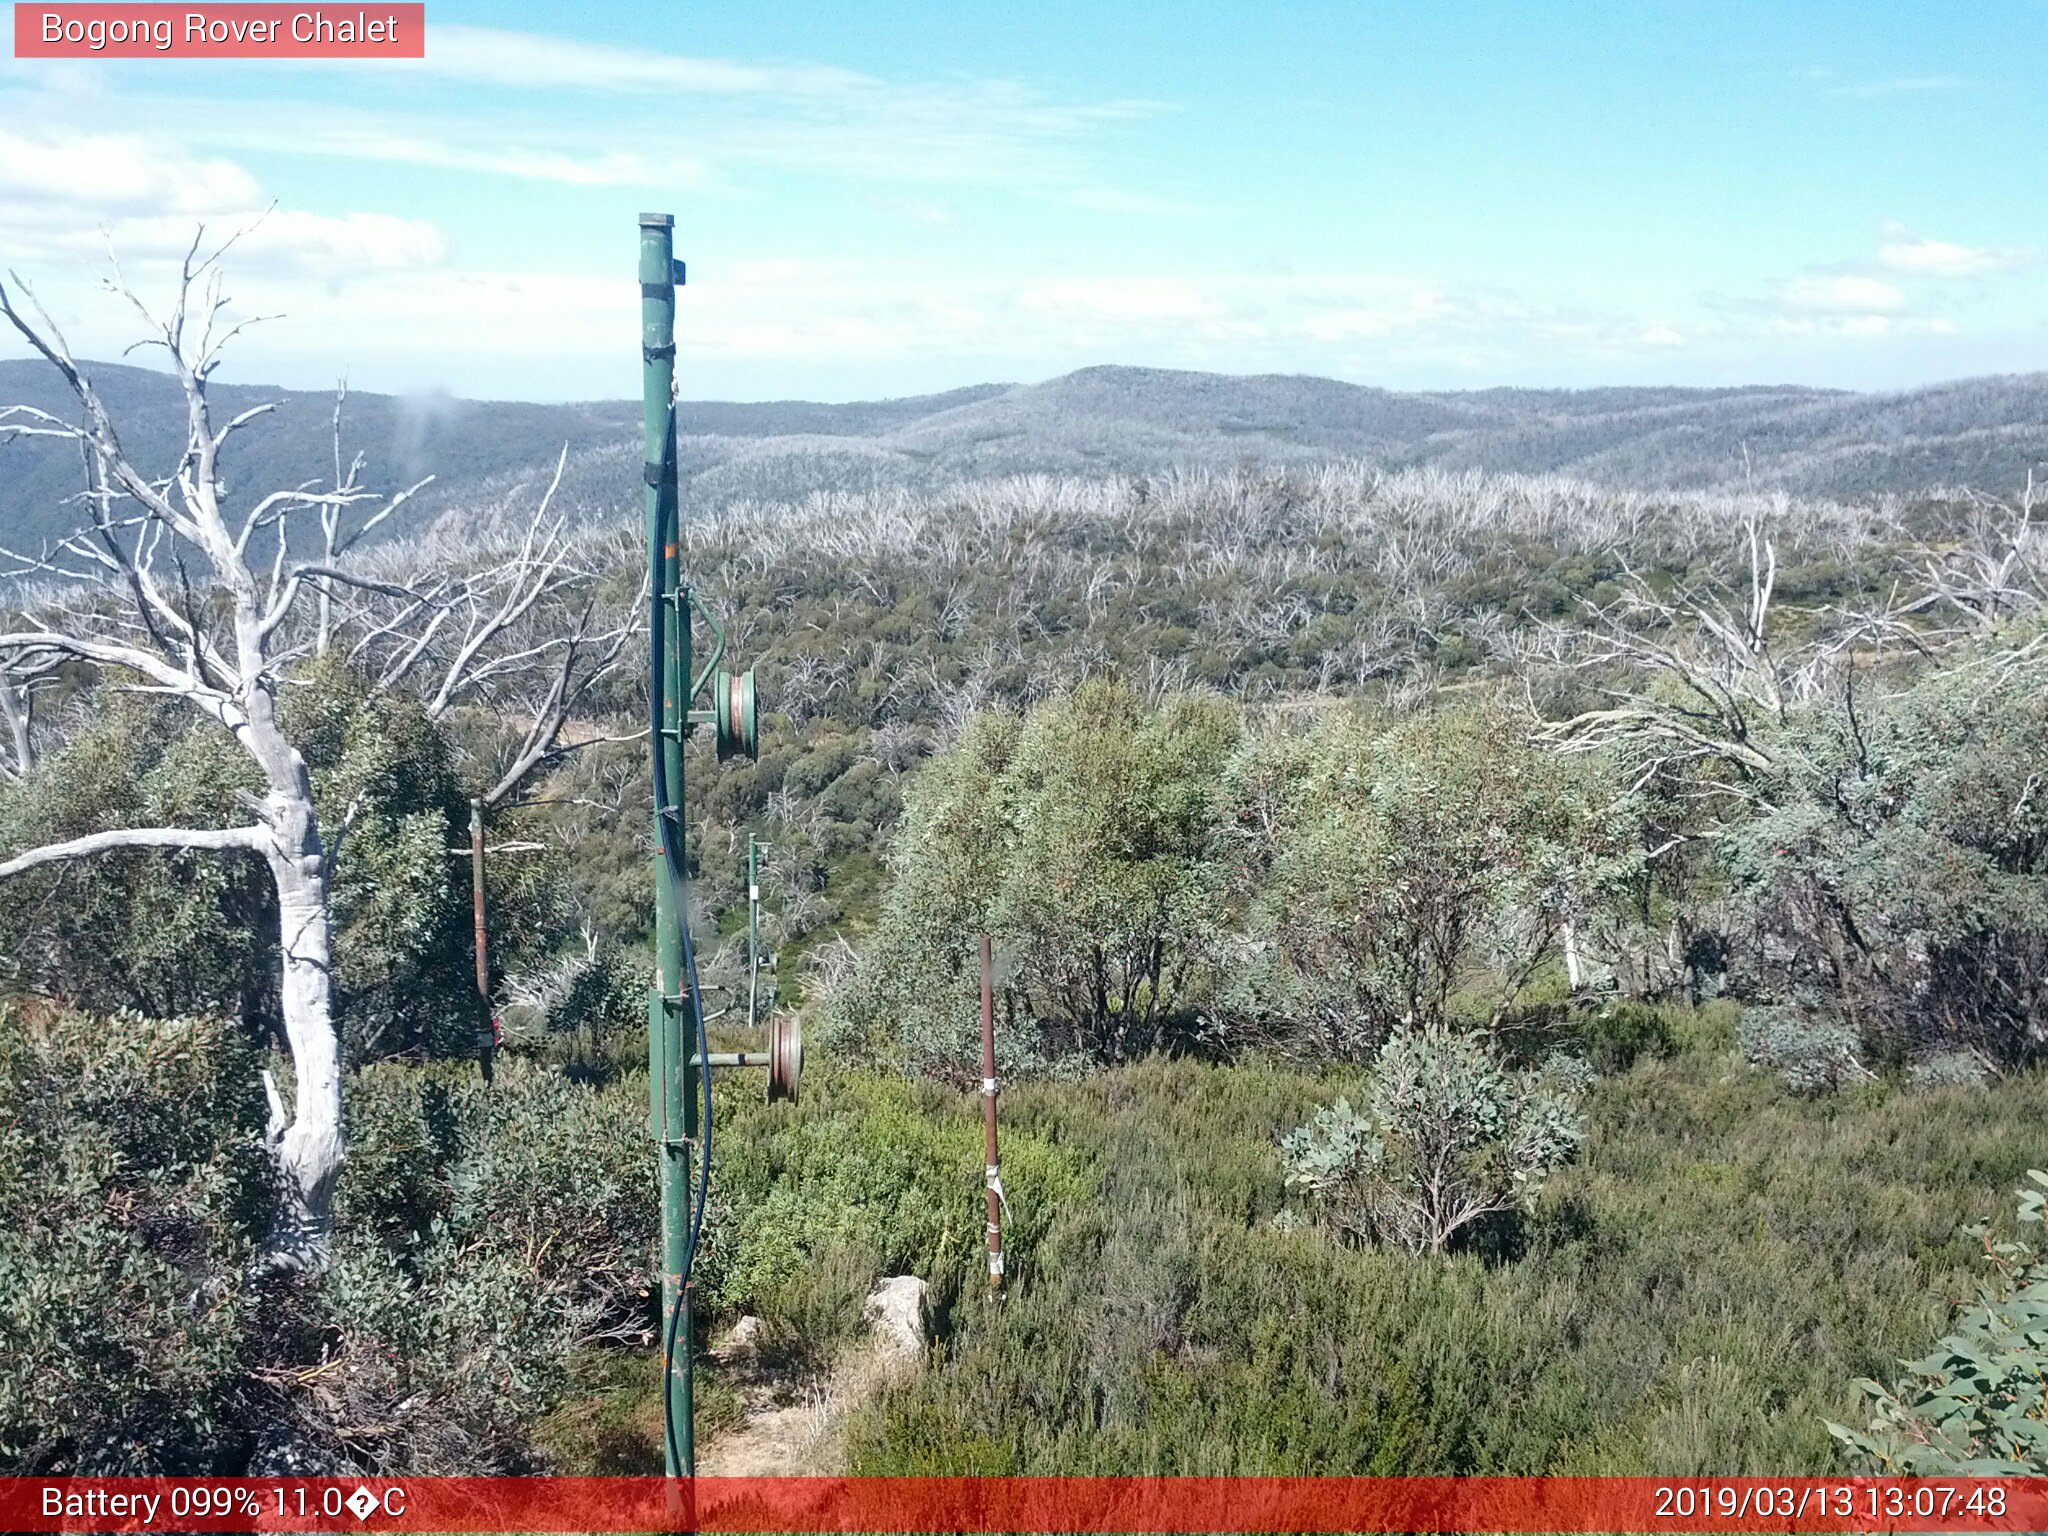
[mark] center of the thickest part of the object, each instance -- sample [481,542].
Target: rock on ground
[896,1311]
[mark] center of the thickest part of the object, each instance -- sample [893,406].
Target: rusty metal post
[489,1042]
[996,1201]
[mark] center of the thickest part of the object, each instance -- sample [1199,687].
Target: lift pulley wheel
[785,1058]
[738,725]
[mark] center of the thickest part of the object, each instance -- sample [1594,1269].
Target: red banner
[920,1504]
[370,30]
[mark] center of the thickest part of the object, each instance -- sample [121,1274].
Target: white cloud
[1846,294]
[69,200]
[1116,298]
[1862,327]
[712,118]
[110,175]
[932,215]
[340,246]
[1351,320]
[601,168]
[1109,200]
[534,61]
[1904,251]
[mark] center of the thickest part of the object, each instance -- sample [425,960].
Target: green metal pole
[671,1075]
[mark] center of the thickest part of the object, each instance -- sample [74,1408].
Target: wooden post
[988,1120]
[489,1043]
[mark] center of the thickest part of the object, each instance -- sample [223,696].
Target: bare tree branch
[249,839]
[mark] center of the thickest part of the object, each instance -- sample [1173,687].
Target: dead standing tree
[22,678]
[172,597]
[1726,685]
[518,625]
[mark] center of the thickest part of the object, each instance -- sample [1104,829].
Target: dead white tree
[516,626]
[1712,648]
[23,677]
[1995,574]
[170,597]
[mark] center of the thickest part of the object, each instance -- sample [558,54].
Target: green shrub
[1638,1324]
[1083,839]
[133,1192]
[1409,874]
[869,1176]
[1445,1137]
[485,1237]
[586,1012]
[1615,1033]
[1899,871]
[1976,1405]
[404,929]
[169,934]
[177,933]
[1950,1069]
[1810,1052]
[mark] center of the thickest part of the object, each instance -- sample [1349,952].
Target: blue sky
[881,200]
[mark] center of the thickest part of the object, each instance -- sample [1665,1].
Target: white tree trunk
[309,1149]
[228,659]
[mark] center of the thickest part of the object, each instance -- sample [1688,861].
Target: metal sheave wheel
[785,1058]
[738,723]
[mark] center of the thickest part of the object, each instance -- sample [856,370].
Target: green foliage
[388,797]
[485,1237]
[391,803]
[167,934]
[869,1176]
[1445,1137]
[1083,839]
[1975,1406]
[1812,1054]
[1109,882]
[1155,879]
[1412,873]
[1950,1069]
[175,933]
[1638,1324]
[1616,1031]
[1901,867]
[586,1012]
[132,1192]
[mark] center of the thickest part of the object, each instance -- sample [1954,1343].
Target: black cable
[672,850]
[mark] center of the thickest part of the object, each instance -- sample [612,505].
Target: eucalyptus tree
[171,586]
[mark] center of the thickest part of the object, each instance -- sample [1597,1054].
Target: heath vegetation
[1494,973]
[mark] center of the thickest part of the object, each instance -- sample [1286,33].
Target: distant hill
[1983,432]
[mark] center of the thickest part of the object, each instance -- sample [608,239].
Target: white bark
[228,670]
[17,745]
[310,1148]
[151,617]
[249,838]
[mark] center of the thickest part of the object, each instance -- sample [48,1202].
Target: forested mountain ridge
[1106,420]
